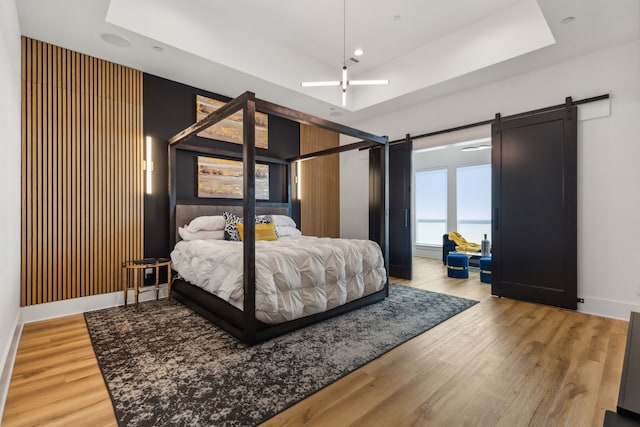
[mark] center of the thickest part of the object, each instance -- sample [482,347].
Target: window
[473,195]
[431,206]
[452,193]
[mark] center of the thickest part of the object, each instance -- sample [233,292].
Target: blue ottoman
[485,270]
[458,266]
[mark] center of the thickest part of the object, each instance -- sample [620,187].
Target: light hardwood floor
[500,363]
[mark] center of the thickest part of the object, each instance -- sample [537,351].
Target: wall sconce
[148,167]
[299,180]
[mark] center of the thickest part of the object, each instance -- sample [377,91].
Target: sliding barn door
[400,242]
[534,208]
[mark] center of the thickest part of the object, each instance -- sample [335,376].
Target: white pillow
[284,231]
[283,220]
[208,223]
[185,234]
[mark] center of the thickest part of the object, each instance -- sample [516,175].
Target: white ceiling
[433,49]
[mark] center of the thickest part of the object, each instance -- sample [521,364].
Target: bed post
[172,196]
[385,211]
[249,213]
[379,201]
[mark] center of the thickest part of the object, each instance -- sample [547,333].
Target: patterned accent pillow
[264,219]
[231,224]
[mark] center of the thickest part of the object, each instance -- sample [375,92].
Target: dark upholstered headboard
[185,213]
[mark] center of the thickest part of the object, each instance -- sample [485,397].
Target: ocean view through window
[431,206]
[473,202]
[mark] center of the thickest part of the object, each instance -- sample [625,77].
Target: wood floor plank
[406,399]
[56,379]
[346,410]
[500,363]
[300,414]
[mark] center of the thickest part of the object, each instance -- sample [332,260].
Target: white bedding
[295,276]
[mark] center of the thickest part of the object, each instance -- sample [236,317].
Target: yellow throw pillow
[263,231]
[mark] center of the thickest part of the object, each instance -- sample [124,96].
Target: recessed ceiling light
[568,20]
[397,17]
[358,52]
[476,147]
[115,40]
[157,48]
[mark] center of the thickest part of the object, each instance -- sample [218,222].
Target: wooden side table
[135,269]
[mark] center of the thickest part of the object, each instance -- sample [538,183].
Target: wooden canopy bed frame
[243,323]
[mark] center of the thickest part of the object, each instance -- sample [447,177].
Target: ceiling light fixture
[476,147]
[335,113]
[568,20]
[115,40]
[345,81]
[358,52]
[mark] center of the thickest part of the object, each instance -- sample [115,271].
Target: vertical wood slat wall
[82,188]
[320,202]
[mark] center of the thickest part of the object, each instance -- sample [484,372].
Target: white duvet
[295,276]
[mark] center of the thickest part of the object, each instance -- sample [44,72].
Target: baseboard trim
[427,252]
[607,308]
[51,310]
[8,361]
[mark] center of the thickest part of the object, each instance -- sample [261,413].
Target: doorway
[452,192]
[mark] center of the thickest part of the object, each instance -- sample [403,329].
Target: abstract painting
[230,129]
[221,178]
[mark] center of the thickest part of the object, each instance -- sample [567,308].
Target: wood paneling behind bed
[320,202]
[82,190]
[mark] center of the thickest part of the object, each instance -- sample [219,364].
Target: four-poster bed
[241,321]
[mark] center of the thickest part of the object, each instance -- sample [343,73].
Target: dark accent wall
[170,107]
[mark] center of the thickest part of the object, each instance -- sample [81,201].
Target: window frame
[452,207]
[457,220]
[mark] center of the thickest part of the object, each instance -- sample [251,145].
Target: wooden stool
[136,268]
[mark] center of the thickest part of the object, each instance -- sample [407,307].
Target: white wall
[354,194]
[608,154]
[10,84]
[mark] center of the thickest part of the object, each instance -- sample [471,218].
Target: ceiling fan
[345,80]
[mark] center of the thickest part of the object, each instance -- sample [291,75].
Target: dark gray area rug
[165,365]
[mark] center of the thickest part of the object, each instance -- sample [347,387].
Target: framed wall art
[230,129]
[222,178]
